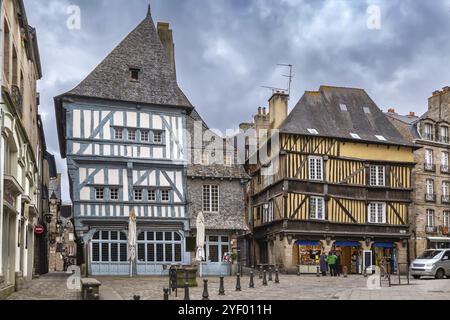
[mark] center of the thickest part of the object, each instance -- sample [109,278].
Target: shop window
[159,247]
[377,176]
[108,246]
[217,247]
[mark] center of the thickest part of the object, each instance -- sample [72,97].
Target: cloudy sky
[226,50]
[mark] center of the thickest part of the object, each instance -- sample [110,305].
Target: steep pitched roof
[141,49]
[324,111]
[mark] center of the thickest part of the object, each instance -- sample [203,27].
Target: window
[444,166]
[161,247]
[377,176]
[99,193]
[430,186]
[366,110]
[445,189]
[313,131]
[429,157]
[444,134]
[114,194]
[109,246]
[131,134]
[118,133]
[381,138]
[377,212]
[138,195]
[428,131]
[211,198]
[216,247]
[317,208]
[165,195]
[268,212]
[446,219]
[430,218]
[355,136]
[157,137]
[152,195]
[134,74]
[316,168]
[144,136]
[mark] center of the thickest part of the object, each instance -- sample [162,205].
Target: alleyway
[53,287]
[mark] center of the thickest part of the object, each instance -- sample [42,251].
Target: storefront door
[368,260]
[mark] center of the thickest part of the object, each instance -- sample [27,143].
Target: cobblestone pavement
[305,287]
[52,286]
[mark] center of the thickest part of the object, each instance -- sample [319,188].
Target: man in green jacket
[331,260]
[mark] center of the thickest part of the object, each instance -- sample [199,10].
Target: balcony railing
[431,230]
[430,197]
[429,167]
[445,199]
[445,169]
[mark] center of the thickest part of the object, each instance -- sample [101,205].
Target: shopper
[338,264]
[323,264]
[332,263]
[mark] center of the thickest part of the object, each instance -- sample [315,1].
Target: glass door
[368,261]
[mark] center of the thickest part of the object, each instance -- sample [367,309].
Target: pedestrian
[332,263]
[338,264]
[323,264]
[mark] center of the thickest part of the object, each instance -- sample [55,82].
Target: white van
[434,263]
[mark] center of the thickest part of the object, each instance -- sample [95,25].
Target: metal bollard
[136,297]
[260,272]
[186,291]
[205,290]
[345,271]
[238,282]
[221,288]
[270,274]
[277,279]
[318,272]
[252,282]
[298,270]
[264,278]
[166,294]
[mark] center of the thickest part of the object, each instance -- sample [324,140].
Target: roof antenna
[290,76]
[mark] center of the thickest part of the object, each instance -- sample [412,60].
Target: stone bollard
[345,271]
[221,288]
[205,290]
[318,272]
[298,270]
[238,282]
[277,279]
[166,294]
[136,297]
[252,282]
[186,291]
[264,278]
[260,272]
[270,274]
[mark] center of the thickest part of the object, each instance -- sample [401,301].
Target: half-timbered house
[121,130]
[342,182]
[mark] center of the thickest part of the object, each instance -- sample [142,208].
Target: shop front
[308,255]
[438,243]
[350,254]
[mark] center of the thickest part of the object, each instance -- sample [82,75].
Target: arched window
[109,246]
[159,247]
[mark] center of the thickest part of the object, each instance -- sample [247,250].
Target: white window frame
[428,131]
[218,243]
[355,136]
[109,242]
[313,131]
[315,204]
[138,194]
[148,242]
[165,195]
[444,134]
[132,134]
[315,168]
[444,159]
[431,218]
[151,195]
[430,186]
[145,136]
[211,198]
[378,215]
[157,137]
[445,188]
[381,138]
[377,176]
[118,133]
[429,157]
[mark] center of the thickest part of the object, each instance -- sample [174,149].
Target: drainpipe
[1,144]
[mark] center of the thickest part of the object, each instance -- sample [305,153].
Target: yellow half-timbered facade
[339,180]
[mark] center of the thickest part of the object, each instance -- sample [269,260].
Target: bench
[90,289]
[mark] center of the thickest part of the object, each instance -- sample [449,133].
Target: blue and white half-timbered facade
[122,132]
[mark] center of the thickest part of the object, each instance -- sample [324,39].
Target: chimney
[391,110]
[436,93]
[412,114]
[166,37]
[278,108]
[446,89]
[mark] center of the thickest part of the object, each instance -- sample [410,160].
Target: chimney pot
[446,89]
[436,93]
[412,114]
[391,110]
[264,111]
[259,110]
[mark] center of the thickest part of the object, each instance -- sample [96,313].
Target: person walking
[331,260]
[338,264]
[323,264]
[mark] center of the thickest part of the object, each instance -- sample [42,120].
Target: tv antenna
[290,77]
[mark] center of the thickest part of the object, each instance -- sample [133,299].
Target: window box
[431,230]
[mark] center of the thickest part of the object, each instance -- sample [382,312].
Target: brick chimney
[166,37]
[391,110]
[412,114]
[278,109]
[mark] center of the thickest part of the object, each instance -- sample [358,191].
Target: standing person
[323,264]
[332,263]
[338,264]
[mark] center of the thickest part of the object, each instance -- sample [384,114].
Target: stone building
[22,148]
[338,179]
[216,183]
[431,177]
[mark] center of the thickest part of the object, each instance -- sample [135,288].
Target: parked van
[434,263]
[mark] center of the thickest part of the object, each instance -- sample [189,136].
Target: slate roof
[321,110]
[409,122]
[141,49]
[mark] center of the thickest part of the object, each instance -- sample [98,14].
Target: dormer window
[444,134]
[355,136]
[134,74]
[381,138]
[343,107]
[428,132]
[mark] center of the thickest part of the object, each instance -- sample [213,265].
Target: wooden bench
[90,289]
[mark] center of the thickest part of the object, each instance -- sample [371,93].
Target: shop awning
[439,239]
[383,245]
[307,243]
[347,244]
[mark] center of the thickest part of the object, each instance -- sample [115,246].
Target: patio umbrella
[200,251]
[132,240]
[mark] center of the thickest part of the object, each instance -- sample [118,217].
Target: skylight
[343,107]
[355,136]
[313,131]
[381,138]
[366,110]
